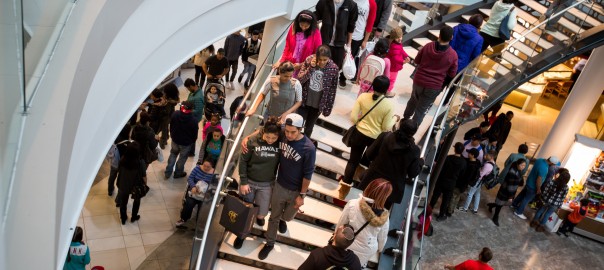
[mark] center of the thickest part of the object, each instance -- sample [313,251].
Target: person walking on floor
[319,78]
[338,19]
[251,49]
[371,115]
[382,15]
[553,195]
[533,184]
[198,60]
[475,189]
[78,255]
[172,99]
[132,172]
[258,169]
[113,156]
[435,61]
[284,91]
[196,98]
[296,167]
[471,172]
[452,168]
[183,129]
[490,30]
[233,48]
[216,67]
[395,157]
[480,130]
[500,129]
[522,150]
[467,42]
[336,255]
[507,190]
[481,264]
[370,219]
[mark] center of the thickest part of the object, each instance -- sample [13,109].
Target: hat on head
[294,119]
[187,106]
[554,159]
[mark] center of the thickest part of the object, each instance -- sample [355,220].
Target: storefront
[585,162]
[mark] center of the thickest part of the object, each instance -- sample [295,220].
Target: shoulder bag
[504,30]
[347,136]
[330,241]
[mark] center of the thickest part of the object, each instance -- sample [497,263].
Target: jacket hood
[339,256]
[395,145]
[184,117]
[467,31]
[368,214]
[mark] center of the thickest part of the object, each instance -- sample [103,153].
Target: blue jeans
[473,193]
[555,7]
[526,195]
[180,151]
[543,213]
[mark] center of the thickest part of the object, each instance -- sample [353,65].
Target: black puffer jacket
[393,159]
[345,22]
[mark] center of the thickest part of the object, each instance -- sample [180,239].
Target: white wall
[111,55]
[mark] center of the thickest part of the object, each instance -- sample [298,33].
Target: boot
[534,223]
[343,190]
[359,173]
[490,205]
[496,221]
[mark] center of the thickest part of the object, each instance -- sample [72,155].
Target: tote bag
[238,216]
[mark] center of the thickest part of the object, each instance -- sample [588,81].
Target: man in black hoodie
[183,130]
[336,255]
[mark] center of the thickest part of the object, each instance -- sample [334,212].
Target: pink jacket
[310,46]
[397,56]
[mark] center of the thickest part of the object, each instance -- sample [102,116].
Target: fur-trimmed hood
[368,214]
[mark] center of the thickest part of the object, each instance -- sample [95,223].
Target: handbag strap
[374,105]
[360,229]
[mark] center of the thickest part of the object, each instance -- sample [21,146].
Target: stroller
[214,105]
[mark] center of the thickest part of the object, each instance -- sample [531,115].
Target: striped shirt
[198,174]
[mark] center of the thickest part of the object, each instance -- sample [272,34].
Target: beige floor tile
[174,213]
[109,243]
[156,237]
[153,201]
[149,265]
[115,259]
[134,240]
[173,198]
[155,221]
[130,228]
[136,256]
[174,263]
[102,226]
[150,251]
[96,205]
[100,188]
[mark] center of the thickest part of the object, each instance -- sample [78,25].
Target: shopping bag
[349,68]
[553,223]
[238,216]
[160,154]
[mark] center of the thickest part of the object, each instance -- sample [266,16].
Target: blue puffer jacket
[467,43]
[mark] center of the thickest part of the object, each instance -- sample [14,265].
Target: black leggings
[490,41]
[447,194]
[200,76]
[497,210]
[567,226]
[359,143]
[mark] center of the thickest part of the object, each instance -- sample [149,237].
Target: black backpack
[490,180]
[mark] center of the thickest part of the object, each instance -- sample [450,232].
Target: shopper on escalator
[376,114]
[555,7]
[467,42]
[336,255]
[303,39]
[395,157]
[319,79]
[490,31]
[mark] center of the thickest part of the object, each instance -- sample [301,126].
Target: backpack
[372,67]
[490,180]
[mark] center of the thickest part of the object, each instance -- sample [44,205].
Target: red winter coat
[310,46]
[397,56]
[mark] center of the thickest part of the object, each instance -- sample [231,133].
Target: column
[576,109]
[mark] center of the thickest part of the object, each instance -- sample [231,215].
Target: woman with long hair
[372,124]
[78,255]
[394,156]
[198,60]
[132,172]
[303,39]
[507,190]
[369,219]
[552,196]
[258,169]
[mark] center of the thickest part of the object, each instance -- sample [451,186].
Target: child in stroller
[214,99]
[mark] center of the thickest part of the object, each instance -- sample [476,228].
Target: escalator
[488,79]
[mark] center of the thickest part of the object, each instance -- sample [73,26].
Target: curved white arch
[111,55]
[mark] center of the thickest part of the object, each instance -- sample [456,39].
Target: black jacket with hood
[395,160]
[183,128]
[330,256]
[345,22]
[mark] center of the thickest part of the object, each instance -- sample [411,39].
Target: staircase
[483,83]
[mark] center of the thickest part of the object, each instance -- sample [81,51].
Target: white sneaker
[180,223]
[521,216]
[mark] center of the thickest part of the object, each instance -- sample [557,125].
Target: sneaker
[238,243]
[180,223]
[462,209]
[260,222]
[265,251]
[135,218]
[474,211]
[240,78]
[282,226]
[521,216]
[342,83]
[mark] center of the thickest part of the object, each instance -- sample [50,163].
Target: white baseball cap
[294,119]
[554,159]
